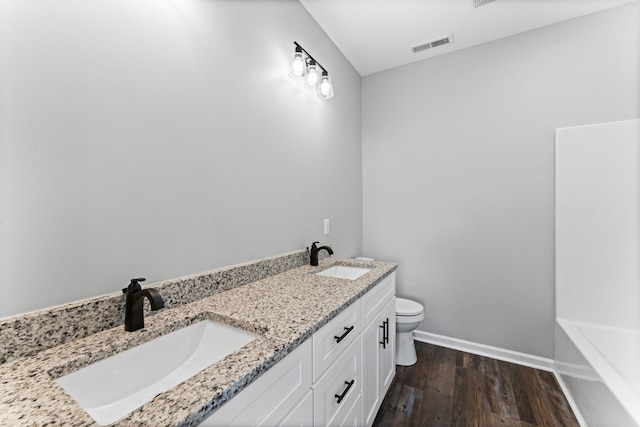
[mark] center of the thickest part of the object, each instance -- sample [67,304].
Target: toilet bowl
[409,314]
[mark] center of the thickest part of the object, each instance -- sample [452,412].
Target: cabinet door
[378,359]
[371,398]
[388,352]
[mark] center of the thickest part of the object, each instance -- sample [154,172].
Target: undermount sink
[111,388]
[344,272]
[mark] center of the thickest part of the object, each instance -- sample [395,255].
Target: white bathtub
[609,356]
[597,253]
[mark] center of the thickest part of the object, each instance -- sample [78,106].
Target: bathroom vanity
[324,352]
[339,377]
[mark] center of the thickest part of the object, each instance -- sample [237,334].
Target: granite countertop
[284,309]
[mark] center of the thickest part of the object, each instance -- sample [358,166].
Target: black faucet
[313,254]
[133,313]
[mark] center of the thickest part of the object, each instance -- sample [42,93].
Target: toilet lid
[406,307]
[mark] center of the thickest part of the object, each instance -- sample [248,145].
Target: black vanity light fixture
[315,76]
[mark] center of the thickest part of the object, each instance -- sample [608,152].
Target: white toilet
[409,314]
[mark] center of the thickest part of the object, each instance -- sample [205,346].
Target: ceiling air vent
[441,41]
[478,3]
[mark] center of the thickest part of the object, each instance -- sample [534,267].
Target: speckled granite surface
[34,332]
[285,309]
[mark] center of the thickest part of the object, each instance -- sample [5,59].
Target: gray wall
[458,170]
[164,138]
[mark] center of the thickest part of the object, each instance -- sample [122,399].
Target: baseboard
[511,356]
[567,394]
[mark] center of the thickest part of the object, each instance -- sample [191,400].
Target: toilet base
[405,349]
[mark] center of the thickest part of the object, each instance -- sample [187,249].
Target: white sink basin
[111,388]
[344,272]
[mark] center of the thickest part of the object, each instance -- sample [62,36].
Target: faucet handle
[134,286]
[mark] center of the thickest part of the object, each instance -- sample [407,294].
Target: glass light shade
[326,88]
[298,65]
[312,75]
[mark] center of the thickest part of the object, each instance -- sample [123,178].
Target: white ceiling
[376,35]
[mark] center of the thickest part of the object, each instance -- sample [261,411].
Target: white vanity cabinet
[378,345]
[348,363]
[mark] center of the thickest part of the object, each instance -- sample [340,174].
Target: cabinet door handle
[384,335]
[343,336]
[346,390]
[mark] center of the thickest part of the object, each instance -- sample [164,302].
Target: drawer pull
[343,336]
[346,390]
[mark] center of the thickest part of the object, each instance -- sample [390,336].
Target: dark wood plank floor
[452,388]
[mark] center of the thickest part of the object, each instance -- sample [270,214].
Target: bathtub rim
[620,388]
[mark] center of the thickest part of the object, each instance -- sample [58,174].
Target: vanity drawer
[339,389]
[333,338]
[374,300]
[354,417]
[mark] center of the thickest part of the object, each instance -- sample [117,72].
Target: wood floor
[452,388]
